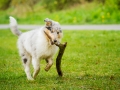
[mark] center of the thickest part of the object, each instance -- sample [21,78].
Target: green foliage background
[64,11]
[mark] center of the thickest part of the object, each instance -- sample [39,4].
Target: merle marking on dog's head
[53,30]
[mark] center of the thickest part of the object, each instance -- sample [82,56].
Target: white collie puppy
[37,44]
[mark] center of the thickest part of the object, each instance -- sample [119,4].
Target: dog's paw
[46,69]
[30,79]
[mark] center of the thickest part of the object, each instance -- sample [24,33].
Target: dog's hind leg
[36,66]
[49,64]
[26,59]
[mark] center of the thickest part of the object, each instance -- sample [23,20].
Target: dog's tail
[13,26]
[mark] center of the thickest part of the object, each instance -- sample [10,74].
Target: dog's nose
[55,40]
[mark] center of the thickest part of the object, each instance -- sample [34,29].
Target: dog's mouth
[52,42]
[56,43]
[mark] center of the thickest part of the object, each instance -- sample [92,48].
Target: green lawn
[91,62]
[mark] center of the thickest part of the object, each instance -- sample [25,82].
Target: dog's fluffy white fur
[37,44]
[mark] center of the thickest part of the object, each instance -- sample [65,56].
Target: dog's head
[53,31]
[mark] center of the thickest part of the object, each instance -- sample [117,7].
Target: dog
[37,44]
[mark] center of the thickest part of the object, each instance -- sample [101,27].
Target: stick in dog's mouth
[59,57]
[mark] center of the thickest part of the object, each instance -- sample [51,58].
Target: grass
[91,62]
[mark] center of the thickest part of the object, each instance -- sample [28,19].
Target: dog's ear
[48,22]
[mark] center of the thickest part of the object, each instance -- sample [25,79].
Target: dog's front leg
[49,64]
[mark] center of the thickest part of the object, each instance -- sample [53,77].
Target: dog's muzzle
[52,42]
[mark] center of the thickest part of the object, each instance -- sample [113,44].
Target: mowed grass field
[91,62]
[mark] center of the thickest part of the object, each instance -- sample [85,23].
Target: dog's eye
[57,32]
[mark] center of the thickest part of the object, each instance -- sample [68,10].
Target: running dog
[37,44]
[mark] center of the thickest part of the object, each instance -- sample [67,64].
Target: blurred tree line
[53,5]
[5,4]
